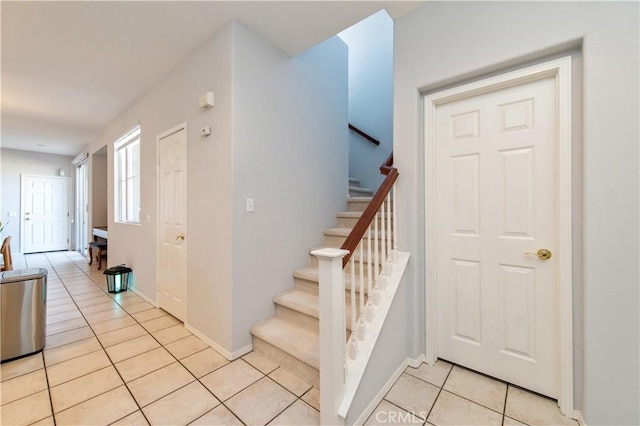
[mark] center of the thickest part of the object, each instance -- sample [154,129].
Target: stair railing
[364,134]
[370,250]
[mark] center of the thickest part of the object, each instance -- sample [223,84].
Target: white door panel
[45,213]
[172,278]
[495,200]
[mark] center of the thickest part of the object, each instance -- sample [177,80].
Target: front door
[172,278]
[45,213]
[495,209]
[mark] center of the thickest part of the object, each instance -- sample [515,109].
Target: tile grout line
[462,396]
[101,345]
[44,364]
[439,392]
[58,271]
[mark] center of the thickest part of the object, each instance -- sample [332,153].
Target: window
[127,177]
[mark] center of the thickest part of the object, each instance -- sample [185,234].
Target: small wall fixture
[206,101]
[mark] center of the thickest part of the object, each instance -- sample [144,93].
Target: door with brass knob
[543,254]
[172,222]
[495,213]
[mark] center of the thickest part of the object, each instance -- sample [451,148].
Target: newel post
[332,333]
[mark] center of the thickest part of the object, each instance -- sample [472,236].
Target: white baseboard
[217,347]
[409,362]
[144,296]
[577,414]
[415,363]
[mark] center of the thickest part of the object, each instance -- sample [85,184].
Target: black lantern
[118,278]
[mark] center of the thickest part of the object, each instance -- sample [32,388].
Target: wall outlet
[250,205]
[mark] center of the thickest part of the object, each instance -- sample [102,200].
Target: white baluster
[395,224]
[383,239]
[361,324]
[389,261]
[369,309]
[353,341]
[376,263]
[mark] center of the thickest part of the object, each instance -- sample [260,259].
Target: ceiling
[69,68]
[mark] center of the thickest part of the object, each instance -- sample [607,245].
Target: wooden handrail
[370,212]
[364,135]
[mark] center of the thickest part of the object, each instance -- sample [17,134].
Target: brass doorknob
[543,254]
[180,237]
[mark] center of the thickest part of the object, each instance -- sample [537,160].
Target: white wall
[264,145]
[370,95]
[289,155]
[447,42]
[172,101]
[16,162]
[389,353]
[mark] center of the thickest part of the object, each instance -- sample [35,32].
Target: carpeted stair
[291,337]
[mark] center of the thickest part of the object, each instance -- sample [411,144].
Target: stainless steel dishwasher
[24,312]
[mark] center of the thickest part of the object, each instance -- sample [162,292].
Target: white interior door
[172,272]
[496,201]
[45,213]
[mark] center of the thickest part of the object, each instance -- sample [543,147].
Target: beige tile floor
[115,359]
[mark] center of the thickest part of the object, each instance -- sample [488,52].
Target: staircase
[291,337]
[356,191]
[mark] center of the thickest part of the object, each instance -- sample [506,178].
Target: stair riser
[311,287]
[350,222]
[310,323]
[305,321]
[293,365]
[357,206]
[313,261]
[360,192]
[337,241]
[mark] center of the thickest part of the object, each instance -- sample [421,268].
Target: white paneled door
[495,209]
[172,214]
[45,213]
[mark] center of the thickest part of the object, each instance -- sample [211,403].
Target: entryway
[172,220]
[45,213]
[498,215]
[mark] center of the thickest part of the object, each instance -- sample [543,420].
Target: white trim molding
[560,70]
[409,362]
[144,296]
[216,346]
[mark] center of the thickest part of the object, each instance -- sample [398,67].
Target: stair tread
[359,190]
[344,232]
[354,181]
[338,231]
[349,215]
[360,199]
[356,254]
[311,273]
[306,303]
[302,344]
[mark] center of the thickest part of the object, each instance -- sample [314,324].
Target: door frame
[560,70]
[82,211]
[169,132]
[23,177]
